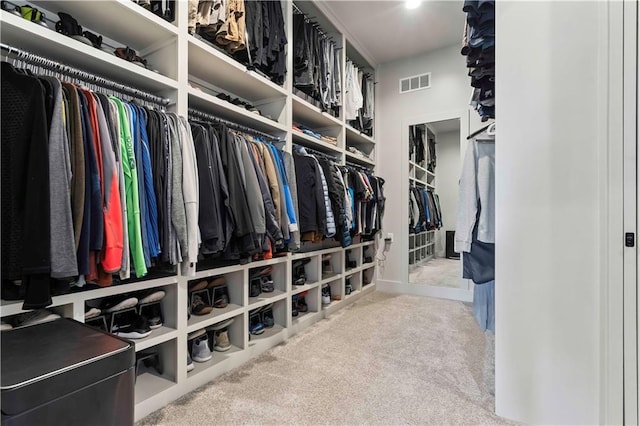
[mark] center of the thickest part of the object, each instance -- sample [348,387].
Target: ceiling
[386,30]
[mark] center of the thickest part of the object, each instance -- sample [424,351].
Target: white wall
[447,179]
[449,93]
[549,220]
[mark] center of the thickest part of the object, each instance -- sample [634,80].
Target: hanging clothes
[316,64]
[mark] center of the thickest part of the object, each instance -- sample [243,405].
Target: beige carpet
[441,272]
[387,359]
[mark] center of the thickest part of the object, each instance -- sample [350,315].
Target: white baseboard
[463,295]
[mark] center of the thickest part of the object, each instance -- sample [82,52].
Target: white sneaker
[201,351]
[190,365]
[152,297]
[92,313]
[5,326]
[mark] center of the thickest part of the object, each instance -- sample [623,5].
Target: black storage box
[66,373]
[449,251]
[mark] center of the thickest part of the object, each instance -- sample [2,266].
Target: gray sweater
[477,189]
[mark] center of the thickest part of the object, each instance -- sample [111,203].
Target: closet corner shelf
[213,66]
[135,26]
[196,322]
[310,115]
[360,160]
[210,104]
[158,336]
[37,39]
[313,143]
[354,136]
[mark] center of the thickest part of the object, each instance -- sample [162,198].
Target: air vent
[416,82]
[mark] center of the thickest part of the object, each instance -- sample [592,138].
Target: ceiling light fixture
[413,4]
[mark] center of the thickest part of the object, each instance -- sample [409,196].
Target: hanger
[477,132]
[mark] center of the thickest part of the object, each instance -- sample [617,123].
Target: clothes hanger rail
[199,115]
[79,75]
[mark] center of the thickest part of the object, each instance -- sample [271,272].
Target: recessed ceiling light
[413,4]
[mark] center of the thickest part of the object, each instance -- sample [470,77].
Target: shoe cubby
[368,255]
[158,375]
[271,281]
[308,265]
[332,264]
[336,293]
[352,259]
[216,287]
[122,314]
[278,314]
[224,339]
[368,275]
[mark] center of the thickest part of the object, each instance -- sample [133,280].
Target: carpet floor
[385,360]
[441,272]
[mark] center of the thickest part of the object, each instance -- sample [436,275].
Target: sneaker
[221,341]
[255,287]
[267,316]
[294,306]
[198,307]
[201,351]
[326,295]
[190,365]
[195,334]
[262,272]
[302,305]
[267,285]
[151,296]
[221,301]
[255,324]
[118,303]
[34,317]
[137,328]
[153,315]
[4,326]
[92,313]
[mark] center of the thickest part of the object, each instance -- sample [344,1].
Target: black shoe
[136,328]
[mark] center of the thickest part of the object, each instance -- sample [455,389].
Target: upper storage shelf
[131,24]
[18,32]
[208,64]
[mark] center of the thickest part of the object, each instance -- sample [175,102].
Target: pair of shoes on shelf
[27,12]
[200,351]
[260,280]
[220,335]
[135,324]
[298,304]
[261,318]
[236,101]
[299,273]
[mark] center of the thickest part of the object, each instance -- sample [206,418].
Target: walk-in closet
[319,212]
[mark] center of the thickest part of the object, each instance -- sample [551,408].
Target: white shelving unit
[190,73]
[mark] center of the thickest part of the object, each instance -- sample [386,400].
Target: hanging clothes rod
[359,167]
[310,19]
[199,115]
[62,69]
[318,153]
